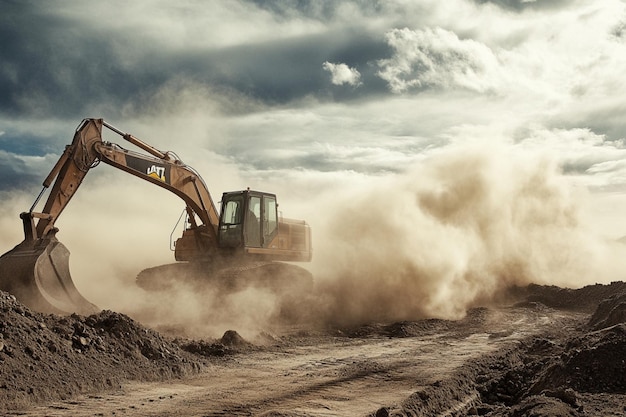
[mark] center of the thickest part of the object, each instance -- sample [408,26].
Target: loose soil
[549,352]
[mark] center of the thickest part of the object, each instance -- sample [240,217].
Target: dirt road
[353,373]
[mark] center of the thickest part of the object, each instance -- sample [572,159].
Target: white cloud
[437,58]
[550,58]
[342,74]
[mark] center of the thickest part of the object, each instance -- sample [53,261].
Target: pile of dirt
[521,388]
[230,343]
[594,362]
[550,375]
[549,378]
[45,357]
[610,312]
[582,299]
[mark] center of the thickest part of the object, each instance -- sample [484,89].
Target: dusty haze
[454,231]
[450,233]
[463,223]
[357,115]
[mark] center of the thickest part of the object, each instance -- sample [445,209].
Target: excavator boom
[88,149]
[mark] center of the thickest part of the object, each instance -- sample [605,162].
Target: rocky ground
[48,357]
[569,373]
[575,366]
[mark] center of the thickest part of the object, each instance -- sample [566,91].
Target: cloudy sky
[362,86]
[313,98]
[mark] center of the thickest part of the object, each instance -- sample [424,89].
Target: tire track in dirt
[336,377]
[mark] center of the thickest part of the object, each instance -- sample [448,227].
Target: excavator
[248,240]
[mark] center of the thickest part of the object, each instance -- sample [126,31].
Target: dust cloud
[433,241]
[453,233]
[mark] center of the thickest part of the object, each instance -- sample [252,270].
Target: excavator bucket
[37,273]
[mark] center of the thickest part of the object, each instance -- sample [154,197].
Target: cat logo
[157,172]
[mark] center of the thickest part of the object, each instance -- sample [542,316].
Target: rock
[610,312]
[79,328]
[232,339]
[382,412]
[568,396]
[32,353]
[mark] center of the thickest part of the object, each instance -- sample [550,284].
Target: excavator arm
[37,270]
[163,169]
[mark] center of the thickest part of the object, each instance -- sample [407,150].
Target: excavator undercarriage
[276,277]
[246,244]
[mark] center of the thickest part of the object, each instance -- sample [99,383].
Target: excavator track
[289,283]
[274,276]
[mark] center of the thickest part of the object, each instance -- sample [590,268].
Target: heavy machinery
[246,240]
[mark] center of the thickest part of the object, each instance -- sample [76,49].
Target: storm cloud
[315,86]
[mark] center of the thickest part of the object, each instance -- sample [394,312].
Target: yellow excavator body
[248,235]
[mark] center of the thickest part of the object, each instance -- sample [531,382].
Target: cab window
[232,212]
[253,222]
[270,219]
[230,231]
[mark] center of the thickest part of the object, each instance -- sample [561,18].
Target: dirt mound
[543,406]
[230,343]
[232,339]
[474,319]
[548,378]
[48,357]
[594,362]
[609,313]
[551,373]
[547,375]
[582,299]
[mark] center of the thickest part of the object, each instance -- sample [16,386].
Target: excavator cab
[249,225]
[248,219]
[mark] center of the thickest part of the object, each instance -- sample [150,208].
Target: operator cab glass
[248,218]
